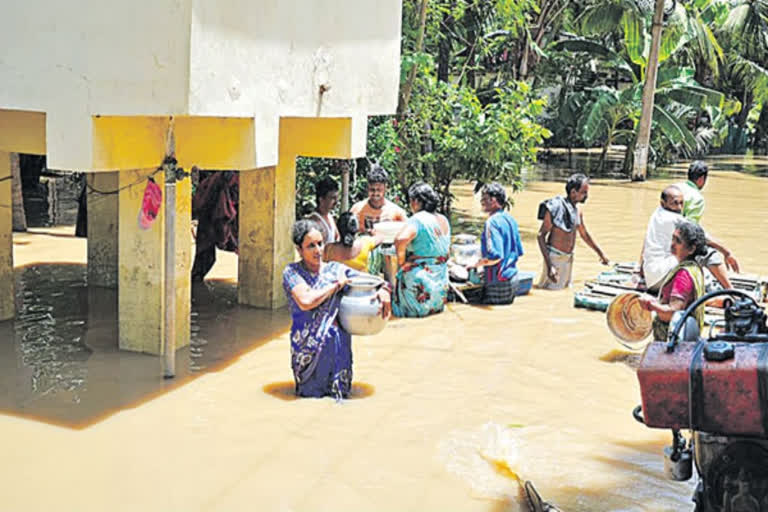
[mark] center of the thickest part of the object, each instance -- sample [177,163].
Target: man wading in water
[561,218]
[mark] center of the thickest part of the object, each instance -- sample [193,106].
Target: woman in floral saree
[321,350]
[422,253]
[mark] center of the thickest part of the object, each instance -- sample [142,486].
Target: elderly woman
[351,250]
[422,254]
[684,283]
[321,350]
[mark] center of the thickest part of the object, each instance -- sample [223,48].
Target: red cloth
[150,204]
[681,287]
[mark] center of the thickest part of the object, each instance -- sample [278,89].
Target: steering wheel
[673,339]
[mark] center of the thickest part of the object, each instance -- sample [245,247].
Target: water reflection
[51,331]
[59,358]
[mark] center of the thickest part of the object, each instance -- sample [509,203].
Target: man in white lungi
[561,219]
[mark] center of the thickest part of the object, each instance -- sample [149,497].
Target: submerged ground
[447,412]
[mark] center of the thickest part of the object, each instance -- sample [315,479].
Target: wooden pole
[345,186]
[640,164]
[169,288]
[19,216]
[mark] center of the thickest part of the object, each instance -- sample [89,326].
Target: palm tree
[614,114]
[745,30]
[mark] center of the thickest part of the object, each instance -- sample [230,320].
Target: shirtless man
[377,207]
[326,195]
[561,218]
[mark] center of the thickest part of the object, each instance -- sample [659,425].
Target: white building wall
[78,58]
[260,59]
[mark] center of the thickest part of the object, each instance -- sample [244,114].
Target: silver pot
[359,309]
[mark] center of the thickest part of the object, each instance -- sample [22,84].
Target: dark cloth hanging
[215,206]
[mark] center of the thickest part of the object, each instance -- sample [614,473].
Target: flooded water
[450,412]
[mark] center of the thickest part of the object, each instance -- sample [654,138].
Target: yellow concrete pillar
[102,229]
[267,212]
[141,270]
[268,204]
[7,299]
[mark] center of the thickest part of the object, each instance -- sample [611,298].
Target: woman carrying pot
[321,351]
[422,254]
[684,283]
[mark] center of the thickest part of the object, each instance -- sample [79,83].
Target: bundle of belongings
[466,282]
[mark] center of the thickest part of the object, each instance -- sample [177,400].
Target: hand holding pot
[386,303]
[342,281]
[647,302]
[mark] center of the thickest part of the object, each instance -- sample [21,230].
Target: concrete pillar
[140,267]
[7,299]
[267,212]
[102,229]
[268,203]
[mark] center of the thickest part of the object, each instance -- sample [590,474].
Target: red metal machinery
[717,388]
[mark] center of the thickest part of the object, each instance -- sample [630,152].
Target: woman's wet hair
[348,227]
[575,182]
[378,174]
[692,236]
[697,169]
[324,186]
[424,195]
[300,230]
[496,191]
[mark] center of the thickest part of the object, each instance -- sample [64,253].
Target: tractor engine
[716,388]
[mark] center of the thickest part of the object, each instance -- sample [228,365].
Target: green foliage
[450,134]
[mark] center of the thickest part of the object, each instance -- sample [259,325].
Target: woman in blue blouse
[501,247]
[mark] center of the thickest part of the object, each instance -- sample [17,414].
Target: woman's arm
[307,298]
[403,238]
[340,252]
[492,241]
[485,262]
[663,311]
[682,287]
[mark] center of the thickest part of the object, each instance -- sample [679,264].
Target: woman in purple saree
[321,350]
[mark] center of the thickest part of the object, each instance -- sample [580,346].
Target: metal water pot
[359,309]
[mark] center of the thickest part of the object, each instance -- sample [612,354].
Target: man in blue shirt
[501,247]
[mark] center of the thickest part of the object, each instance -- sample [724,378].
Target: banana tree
[607,118]
[676,87]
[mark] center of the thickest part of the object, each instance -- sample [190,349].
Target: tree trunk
[640,167]
[629,157]
[746,106]
[407,88]
[19,216]
[470,22]
[444,49]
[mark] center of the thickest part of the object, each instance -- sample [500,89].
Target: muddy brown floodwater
[449,411]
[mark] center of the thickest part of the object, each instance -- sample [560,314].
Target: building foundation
[7,298]
[103,223]
[141,273]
